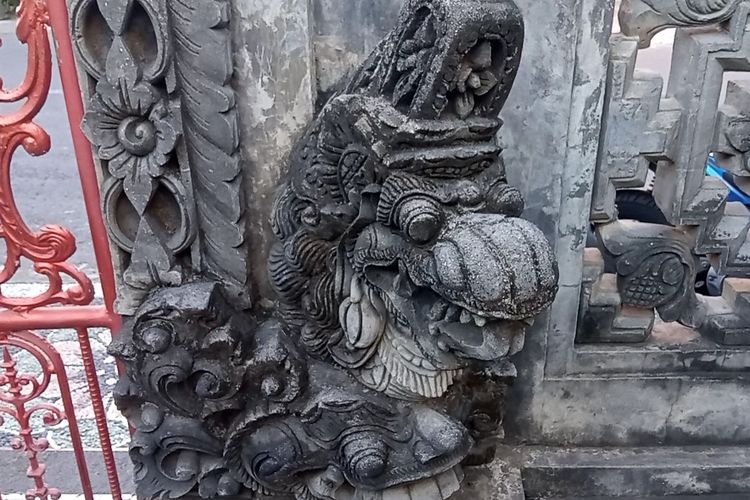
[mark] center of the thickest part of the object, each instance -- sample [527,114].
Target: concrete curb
[33,289]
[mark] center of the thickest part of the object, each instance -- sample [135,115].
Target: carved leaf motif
[707,6]
[203,69]
[694,11]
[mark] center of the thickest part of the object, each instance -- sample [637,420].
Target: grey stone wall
[289,55]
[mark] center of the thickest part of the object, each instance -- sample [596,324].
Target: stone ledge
[642,473]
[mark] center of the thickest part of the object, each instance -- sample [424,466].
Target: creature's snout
[493,265]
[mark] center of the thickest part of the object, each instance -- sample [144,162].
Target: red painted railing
[49,249]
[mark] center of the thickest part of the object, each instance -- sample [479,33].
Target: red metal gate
[59,306]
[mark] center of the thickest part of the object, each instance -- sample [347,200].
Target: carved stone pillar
[350,339]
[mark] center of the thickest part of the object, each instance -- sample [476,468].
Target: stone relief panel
[644,269]
[161,117]
[404,276]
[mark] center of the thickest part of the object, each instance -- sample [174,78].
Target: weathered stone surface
[340,44]
[635,473]
[370,195]
[275,92]
[404,274]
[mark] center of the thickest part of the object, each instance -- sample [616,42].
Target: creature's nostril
[420,219]
[423,228]
[370,466]
[366,456]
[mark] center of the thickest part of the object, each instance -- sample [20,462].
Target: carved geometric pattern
[645,18]
[640,127]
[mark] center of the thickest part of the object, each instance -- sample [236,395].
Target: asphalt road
[46,188]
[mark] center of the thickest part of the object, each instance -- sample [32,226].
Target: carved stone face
[436,284]
[402,257]
[360,445]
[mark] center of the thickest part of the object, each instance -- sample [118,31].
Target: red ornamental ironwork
[49,249]
[18,393]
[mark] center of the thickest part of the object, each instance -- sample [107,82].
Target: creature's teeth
[420,386]
[443,382]
[452,312]
[433,329]
[480,320]
[438,310]
[433,387]
[465,316]
[413,381]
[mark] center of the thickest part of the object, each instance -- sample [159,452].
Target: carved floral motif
[131,126]
[187,210]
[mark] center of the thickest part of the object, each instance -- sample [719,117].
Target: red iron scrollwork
[50,247]
[17,395]
[60,305]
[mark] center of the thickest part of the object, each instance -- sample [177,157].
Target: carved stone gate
[630,385]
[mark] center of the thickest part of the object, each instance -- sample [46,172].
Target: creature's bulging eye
[505,199]
[154,336]
[420,219]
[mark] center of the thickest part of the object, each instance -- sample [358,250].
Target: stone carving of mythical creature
[405,277]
